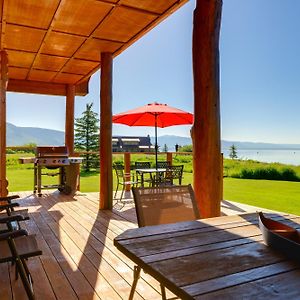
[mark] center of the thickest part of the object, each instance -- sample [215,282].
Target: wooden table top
[211,258]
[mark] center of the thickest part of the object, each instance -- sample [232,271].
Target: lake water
[291,157]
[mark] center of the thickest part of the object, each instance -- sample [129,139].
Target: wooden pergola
[54,46]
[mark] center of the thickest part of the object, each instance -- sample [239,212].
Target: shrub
[269,173]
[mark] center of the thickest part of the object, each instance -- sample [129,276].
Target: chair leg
[136,276]
[123,189]
[116,190]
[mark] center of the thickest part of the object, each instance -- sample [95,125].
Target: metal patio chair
[174,173]
[123,179]
[140,177]
[7,208]
[163,205]
[16,247]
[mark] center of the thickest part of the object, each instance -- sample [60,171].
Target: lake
[291,157]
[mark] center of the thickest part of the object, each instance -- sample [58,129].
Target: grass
[276,195]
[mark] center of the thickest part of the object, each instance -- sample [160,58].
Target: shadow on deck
[79,259]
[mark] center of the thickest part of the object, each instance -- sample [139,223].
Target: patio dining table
[214,258]
[152,171]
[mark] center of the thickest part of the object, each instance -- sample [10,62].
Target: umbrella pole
[156,146]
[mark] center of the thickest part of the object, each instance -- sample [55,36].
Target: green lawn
[277,195]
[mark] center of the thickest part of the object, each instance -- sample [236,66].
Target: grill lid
[52,151]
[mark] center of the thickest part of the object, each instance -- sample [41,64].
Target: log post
[106,182]
[3,83]
[127,168]
[206,127]
[69,126]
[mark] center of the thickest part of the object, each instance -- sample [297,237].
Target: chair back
[163,164]
[174,172]
[119,170]
[165,204]
[142,165]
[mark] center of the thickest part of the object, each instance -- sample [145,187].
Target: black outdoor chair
[7,208]
[163,205]
[143,178]
[173,173]
[123,179]
[16,247]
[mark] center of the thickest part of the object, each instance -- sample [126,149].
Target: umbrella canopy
[156,115]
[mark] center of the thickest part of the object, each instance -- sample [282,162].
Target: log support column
[106,182]
[69,126]
[3,83]
[206,127]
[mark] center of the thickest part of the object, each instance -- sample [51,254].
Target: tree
[233,152]
[87,137]
[165,148]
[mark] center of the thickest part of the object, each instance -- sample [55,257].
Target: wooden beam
[45,88]
[106,183]
[69,122]
[3,85]
[206,127]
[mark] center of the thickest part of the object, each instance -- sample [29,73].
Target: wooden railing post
[3,83]
[170,157]
[127,168]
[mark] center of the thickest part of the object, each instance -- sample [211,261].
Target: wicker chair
[163,205]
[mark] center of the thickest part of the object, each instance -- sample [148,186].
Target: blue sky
[260,90]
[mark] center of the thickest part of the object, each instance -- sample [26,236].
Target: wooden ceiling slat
[20,58]
[61,40]
[31,12]
[17,73]
[61,44]
[122,24]
[92,49]
[41,75]
[79,66]
[154,6]
[85,16]
[47,62]
[23,38]
[67,78]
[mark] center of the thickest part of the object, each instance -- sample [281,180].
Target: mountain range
[18,136]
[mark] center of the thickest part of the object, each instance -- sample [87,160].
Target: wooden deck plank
[79,258]
[5,290]
[86,236]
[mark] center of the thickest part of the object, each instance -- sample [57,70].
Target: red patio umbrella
[154,114]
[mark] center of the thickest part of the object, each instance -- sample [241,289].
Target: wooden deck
[79,259]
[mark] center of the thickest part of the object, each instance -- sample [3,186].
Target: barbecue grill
[55,161]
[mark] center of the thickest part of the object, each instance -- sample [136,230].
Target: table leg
[136,276]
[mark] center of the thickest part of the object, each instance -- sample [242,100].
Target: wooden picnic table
[222,257]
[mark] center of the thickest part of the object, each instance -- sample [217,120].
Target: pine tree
[165,148]
[87,137]
[233,152]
